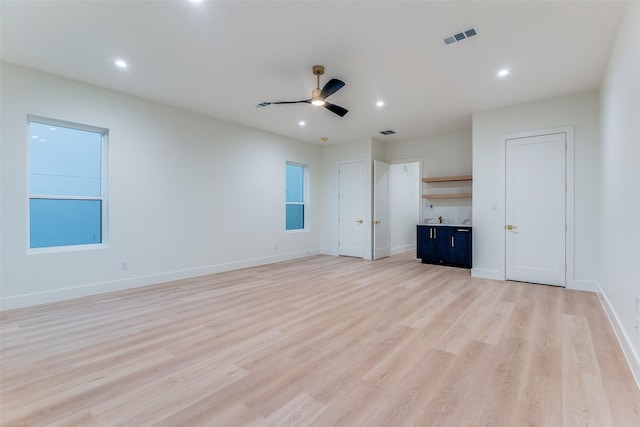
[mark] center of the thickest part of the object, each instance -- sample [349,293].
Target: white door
[381,223]
[536,209]
[351,192]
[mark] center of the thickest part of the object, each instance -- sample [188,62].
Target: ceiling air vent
[462,35]
[388,132]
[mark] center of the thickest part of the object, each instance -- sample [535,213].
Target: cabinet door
[428,249]
[441,238]
[460,247]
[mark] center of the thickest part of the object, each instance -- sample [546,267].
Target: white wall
[620,201]
[378,150]
[440,155]
[188,194]
[404,204]
[582,112]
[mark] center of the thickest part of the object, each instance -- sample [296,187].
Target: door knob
[359,221]
[511,227]
[376,222]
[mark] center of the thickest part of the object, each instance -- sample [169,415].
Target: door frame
[568,130]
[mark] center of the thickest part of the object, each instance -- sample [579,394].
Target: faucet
[440,219]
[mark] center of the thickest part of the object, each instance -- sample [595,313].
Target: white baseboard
[325,251]
[55,295]
[582,285]
[401,249]
[633,358]
[484,273]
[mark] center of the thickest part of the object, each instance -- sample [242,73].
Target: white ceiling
[221,58]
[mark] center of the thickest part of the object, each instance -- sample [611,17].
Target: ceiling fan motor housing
[316,94]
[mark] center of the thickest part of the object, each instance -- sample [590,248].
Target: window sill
[71,248]
[302,230]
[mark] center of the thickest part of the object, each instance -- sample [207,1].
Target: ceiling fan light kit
[318,96]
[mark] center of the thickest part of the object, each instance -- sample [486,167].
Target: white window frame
[305,197]
[103,187]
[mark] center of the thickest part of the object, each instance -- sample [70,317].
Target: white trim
[568,130]
[68,248]
[327,251]
[402,249]
[45,297]
[582,285]
[484,273]
[297,230]
[633,358]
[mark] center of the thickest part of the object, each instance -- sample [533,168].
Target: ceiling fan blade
[336,109]
[265,104]
[308,101]
[331,87]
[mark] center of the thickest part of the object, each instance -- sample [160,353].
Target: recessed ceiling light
[302,123]
[504,72]
[380,104]
[120,63]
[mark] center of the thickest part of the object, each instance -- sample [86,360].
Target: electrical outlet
[638,325]
[124,265]
[275,247]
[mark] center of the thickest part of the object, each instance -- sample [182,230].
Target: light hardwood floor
[320,341]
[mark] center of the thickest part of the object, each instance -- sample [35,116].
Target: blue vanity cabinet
[444,245]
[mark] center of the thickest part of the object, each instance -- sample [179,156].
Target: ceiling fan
[318,96]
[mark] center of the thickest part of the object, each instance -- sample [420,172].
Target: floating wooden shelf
[447,196]
[449,178]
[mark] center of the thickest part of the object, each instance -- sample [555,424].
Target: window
[67,203]
[296,196]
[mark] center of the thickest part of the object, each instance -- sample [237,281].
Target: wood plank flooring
[321,341]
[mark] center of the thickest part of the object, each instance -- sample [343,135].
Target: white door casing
[351,219]
[535,209]
[381,223]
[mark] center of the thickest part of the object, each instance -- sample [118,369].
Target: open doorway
[404,205]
